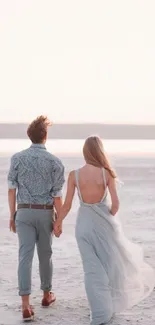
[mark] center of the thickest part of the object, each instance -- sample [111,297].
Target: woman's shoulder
[72,173]
[71,176]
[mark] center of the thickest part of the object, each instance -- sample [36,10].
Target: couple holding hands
[115,274]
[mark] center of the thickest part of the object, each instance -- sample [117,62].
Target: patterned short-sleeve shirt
[37,175]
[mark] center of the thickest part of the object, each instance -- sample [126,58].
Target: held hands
[58,227]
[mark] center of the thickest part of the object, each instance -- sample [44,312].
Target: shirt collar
[38,145]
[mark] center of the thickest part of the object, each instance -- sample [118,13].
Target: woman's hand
[58,227]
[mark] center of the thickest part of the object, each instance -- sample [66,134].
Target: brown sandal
[47,302]
[28,314]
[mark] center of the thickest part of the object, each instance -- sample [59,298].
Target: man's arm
[12,207]
[12,186]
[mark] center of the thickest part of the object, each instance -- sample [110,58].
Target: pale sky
[77,60]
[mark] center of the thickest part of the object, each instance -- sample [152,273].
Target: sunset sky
[77,60]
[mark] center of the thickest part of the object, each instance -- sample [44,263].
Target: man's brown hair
[37,130]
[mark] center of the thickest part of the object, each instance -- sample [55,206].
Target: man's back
[37,174]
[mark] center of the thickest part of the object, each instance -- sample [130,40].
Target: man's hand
[58,228]
[12,225]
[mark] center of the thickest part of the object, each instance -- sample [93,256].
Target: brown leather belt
[35,206]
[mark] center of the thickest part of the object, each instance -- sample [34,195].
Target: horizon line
[84,123]
[82,131]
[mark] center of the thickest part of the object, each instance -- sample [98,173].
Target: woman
[116,276]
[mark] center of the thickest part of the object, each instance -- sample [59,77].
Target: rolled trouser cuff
[24,293]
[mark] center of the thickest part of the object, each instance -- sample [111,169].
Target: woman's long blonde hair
[94,154]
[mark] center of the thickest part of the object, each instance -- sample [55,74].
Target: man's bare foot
[48,299]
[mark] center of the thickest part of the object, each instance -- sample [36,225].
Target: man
[38,177]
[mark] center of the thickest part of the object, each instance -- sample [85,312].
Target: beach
[137,213]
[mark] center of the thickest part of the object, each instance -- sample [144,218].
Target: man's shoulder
[45,154]
[54,158]
[18,154]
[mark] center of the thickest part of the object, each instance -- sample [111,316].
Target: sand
[137,213]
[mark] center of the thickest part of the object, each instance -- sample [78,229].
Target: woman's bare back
[92,183]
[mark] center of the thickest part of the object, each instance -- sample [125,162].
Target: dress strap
[77,183]
[104,177]
[105,184]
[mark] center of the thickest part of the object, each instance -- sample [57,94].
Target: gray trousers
[34,227]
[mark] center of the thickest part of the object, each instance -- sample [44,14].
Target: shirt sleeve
[13,173]
[58,180]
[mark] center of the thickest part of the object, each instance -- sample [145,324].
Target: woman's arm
[113,194]
[67,204]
